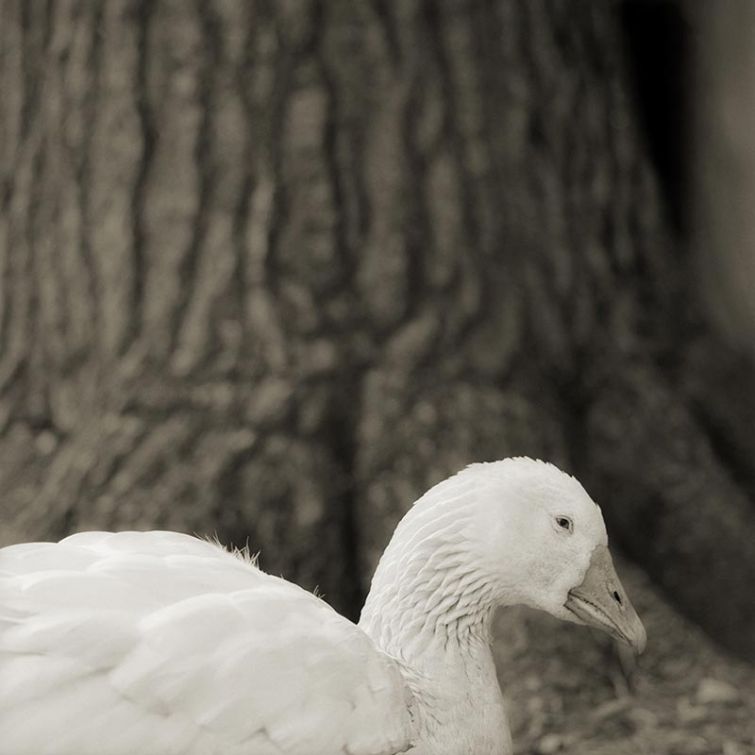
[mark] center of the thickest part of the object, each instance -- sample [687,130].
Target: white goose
[160,643]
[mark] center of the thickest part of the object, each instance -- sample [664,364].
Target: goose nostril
[617,597]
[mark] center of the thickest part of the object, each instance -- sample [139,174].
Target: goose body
[162,643]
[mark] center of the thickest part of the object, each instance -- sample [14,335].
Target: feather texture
[160,643]
[180,622]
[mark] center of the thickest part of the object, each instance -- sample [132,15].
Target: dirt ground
[572,691]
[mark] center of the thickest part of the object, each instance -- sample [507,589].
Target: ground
[571,691]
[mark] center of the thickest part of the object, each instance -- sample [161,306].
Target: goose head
[510,532]
[543,541]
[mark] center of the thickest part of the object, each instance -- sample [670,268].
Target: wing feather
[163,643]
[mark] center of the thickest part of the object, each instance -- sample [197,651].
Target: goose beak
[601,601]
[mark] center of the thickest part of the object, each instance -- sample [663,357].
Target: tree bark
[723,161]
[270,269]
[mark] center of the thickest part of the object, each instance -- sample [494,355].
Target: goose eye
[565,523]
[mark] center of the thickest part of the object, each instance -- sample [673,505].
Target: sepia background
[270,269]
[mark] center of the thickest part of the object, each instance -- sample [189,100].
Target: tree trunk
[270,269]
[724,163]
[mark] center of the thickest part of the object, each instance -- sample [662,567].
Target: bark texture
[269,269]
[723,160]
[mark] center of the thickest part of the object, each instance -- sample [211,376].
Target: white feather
[163,643]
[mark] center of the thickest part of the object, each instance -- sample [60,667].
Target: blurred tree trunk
[724,163]
[270,269]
